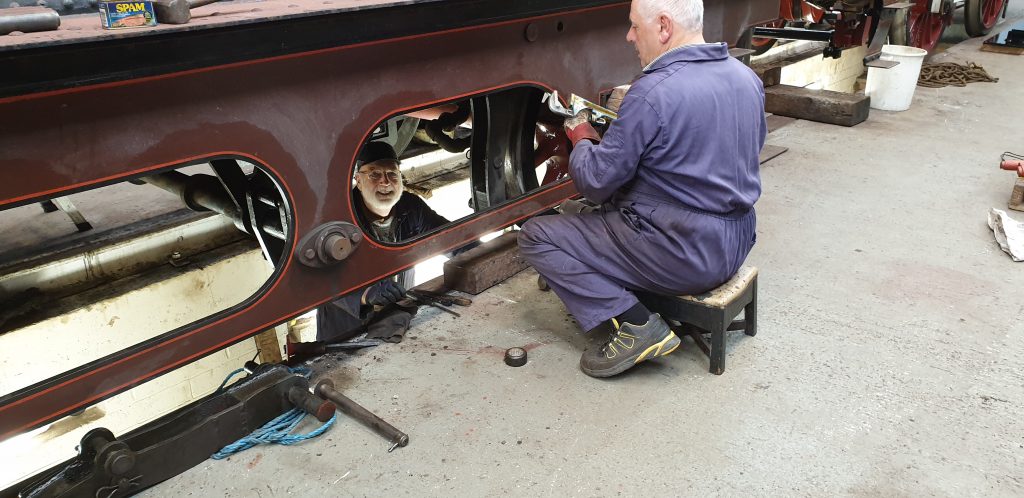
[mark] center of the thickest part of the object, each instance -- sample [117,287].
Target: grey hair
[689,14]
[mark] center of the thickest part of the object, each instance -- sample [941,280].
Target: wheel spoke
[990,12]
[925,28]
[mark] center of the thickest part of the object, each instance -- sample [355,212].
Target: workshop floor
[888,360]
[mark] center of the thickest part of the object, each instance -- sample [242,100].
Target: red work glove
[578,128]
[1008,166]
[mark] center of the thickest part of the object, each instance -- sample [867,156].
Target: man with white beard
[391,214]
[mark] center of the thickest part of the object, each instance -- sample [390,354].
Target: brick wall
[825,73]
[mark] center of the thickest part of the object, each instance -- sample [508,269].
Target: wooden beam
[268,346]
[1001,49]
[824,106]
[482,267]
[770,75]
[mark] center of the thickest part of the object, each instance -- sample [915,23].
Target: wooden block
[480,268]
[433,285]
[770,152]
[268,346]
[824,106]
[770,75]
[1001,49]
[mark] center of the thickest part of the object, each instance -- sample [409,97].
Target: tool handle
[325,389]
[461,301]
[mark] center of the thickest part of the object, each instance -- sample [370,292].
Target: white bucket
[892,89]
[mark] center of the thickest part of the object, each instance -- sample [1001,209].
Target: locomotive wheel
[981,15]
[924,28]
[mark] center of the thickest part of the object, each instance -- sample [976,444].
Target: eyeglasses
[378,175]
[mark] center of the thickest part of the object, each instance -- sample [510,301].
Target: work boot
[628,345]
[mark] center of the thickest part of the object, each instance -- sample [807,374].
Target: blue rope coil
[277,431]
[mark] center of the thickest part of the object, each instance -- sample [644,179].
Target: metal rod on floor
[325,389]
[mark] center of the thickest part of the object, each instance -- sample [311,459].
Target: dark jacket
[344,318]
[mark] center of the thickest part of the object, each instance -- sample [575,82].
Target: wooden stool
[712,312]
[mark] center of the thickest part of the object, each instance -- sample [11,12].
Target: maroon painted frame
[302,116]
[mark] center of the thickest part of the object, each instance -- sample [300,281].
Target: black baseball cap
[375,151]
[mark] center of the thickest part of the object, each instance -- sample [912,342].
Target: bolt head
[120,462]
[532,32]
[337,247]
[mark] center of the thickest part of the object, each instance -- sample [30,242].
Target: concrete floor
[887,363]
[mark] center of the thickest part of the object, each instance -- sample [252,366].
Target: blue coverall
[677,175]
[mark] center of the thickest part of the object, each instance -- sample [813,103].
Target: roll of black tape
[515,357]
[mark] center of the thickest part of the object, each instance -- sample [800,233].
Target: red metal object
[809,13]
[850,23]
[1014,165]
[990,10]
[552,149]
[980,16]
[926,27]
[853,30]
[293,87]
[853,21]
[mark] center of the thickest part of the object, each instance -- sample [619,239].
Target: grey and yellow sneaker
[628,345]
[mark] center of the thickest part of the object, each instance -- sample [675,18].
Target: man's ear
[665,27]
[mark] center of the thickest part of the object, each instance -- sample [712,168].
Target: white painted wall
[819,73]
[46,348]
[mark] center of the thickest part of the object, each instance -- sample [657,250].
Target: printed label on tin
[116,15]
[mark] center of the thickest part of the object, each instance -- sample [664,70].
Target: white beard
[382,202]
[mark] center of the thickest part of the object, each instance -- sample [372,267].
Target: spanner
[598,114]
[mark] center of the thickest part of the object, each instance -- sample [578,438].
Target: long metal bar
[204,192]
[325,389]
[794,34]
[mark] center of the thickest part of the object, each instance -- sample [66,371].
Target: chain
[942,74]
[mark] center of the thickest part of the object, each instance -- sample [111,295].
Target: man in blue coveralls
[676,176]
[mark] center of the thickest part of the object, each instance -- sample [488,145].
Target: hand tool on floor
[177,11]
[28,20]
[598,114]
[325,389]
[439,299]
[430,301]
[443,298]
[307,349]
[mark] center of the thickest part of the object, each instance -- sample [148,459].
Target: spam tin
[127,14]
